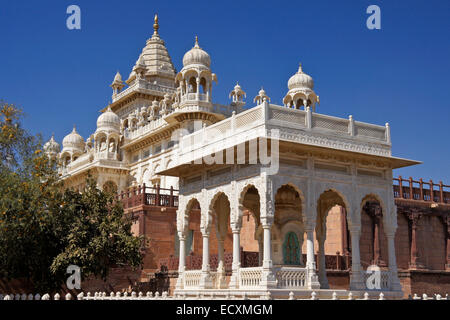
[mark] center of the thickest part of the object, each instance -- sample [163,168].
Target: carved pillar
[268,278]
[181,262]
[323,280]
[221,263]
[344,232]
[234,280]
[356,280]
[313,281]
[413,224]
[205,281]
[395,282]
[198,89]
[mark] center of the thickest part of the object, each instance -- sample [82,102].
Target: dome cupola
[51,146]
[301,93]
[73,141]
[108,121]
[301,80]
[196,56]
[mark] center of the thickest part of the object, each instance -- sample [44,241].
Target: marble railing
[194,97]
[250,277]
[192,278]
[294,125]
[142,86]
[290,277]
[385,279]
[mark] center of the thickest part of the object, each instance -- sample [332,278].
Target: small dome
[108,120]
[196,56]
[51,146]
[262,92]
[73,140]
[118,77]
[300,80]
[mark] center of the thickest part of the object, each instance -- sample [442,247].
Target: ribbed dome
[51,146]
[73,140]
[301,80]
[196,56]
[108,120]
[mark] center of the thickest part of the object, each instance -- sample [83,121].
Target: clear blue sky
[399,74]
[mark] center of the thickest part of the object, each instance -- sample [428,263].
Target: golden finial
[156,25]
[196,42]
[300,68]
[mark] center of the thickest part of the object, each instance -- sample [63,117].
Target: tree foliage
[44,228]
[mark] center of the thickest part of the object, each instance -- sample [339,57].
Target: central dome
[196,56]
[301,80]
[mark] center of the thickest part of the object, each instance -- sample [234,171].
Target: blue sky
[399,74]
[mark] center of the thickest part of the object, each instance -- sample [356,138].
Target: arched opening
[287,229]
[203,85]
[251,230]
[192,85]
[299,103]
[221,240]
[331,225]
[372,242]
[193,236]
[112,145]
[102,143]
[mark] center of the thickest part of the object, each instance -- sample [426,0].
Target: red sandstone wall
[366,240]
[402,242]
[248,242]
[333,242]
[433,243]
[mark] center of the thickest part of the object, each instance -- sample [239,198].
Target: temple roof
[155,57]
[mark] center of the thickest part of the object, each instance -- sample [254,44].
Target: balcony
[420,190]
[149,196]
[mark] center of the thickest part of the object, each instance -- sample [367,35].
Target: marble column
[323,280]
[260,253]
[313,280]
[394,280]
[268,277]
[205,281]
[356,277]
[234,280]
[181,262]
[221,263]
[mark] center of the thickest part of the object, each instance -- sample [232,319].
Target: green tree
[43,227]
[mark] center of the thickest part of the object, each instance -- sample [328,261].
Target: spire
[156,25]
[155,60]
[300,70]
[196,42]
